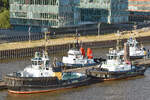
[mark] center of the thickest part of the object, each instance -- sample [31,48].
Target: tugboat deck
[80,70]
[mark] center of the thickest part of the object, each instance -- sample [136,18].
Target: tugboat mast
[45,51]
[77,40]
[118,41]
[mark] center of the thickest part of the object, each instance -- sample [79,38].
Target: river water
[137,88]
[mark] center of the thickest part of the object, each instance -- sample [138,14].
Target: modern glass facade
[107,11]
[51,13]
[63,13]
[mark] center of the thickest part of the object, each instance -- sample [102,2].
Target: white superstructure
[75,58]
[40,67]
[115,63]
[135,51]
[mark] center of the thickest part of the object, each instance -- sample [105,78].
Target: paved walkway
[59,41]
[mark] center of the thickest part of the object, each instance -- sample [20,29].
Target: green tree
[5,3]
[4,19]
[4,14]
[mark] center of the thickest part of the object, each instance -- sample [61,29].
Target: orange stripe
[139,0]
[41,91]
[141,5]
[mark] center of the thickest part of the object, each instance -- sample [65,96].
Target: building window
[20,14]
[48,16]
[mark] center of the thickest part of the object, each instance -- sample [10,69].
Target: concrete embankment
[26,49]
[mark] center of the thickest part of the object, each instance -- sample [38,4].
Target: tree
[4,19]
[5,3]
[4,14]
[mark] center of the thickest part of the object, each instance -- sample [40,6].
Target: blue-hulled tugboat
[115,67]
[41,76]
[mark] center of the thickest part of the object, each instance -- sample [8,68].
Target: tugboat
[42,77]
[136,52]
[77,58]
[116,67]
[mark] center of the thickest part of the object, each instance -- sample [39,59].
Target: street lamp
[98,26]
[29,30]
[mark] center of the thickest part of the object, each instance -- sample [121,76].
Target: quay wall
[52,49]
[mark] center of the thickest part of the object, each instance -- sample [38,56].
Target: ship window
[47,68]
[115,57]
[39,62]
[47,62]
[131,45]
[34,62]
[70,54]
[110,57]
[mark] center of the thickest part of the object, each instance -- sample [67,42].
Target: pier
[79,70]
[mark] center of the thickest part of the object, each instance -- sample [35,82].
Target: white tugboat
[76,57]
[136,52]
[115,67]
[42,77]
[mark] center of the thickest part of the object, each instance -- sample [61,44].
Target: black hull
[105,75]
[135,57]
[38,85]
[74,66]
[97,61]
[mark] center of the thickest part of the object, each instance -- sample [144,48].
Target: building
[42,13]
[107,11]
[139,10]
[64,13]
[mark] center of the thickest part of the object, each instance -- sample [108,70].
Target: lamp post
[98,26]
[29,30]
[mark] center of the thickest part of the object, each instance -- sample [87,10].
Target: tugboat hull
[38,85]
[105,75]
[97,61]
[79,65]
[136,57]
